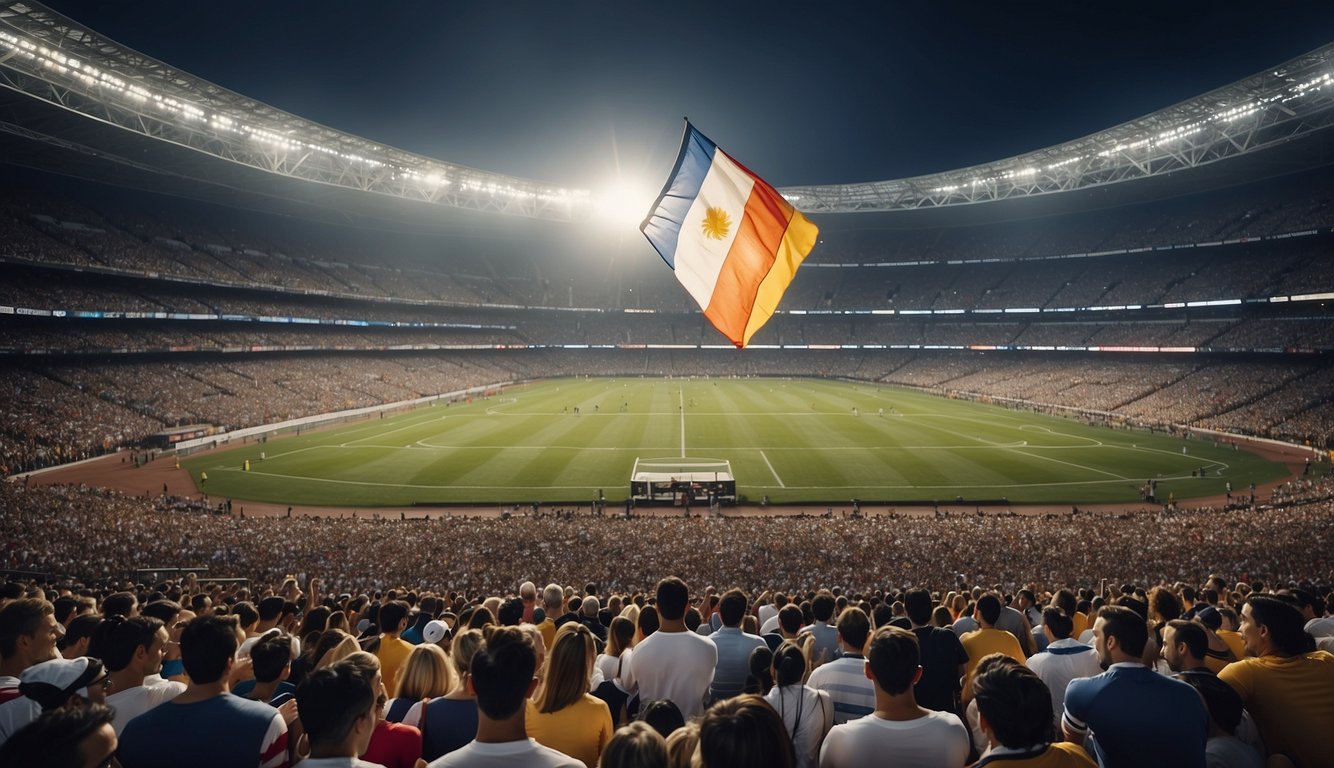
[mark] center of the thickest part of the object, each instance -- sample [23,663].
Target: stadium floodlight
[1265,110]
[50,57]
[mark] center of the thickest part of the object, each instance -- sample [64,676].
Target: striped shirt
[845,680]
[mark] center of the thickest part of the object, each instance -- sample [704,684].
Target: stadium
[245,344]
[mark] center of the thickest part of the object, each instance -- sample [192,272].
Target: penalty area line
[772,470]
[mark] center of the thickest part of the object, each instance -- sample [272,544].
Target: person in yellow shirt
[1284,683]
[563,715]
[393,650]
[988,639]
[553,598]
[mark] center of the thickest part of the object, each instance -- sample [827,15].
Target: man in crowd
[50,685]
[1013,710]
[898,729]
[845,678]
[236,731]
[1138,717]
[943,657]
[69,737]
[393,650]
[734,647]
[674,663]
[1065,659]
[28,635]
[552,598]
[1284,683]
[986,638]
[502,677]
[134,652]
[337,707]
[826,636]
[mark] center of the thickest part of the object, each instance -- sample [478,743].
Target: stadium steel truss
[53,59]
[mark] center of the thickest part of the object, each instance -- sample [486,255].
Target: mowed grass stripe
[526,444]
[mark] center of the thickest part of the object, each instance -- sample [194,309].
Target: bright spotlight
[623,204]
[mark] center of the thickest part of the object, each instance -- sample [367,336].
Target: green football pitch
[793,440]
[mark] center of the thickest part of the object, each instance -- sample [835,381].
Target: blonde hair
[426,674]
[681,745]
[461,651]
[568,668]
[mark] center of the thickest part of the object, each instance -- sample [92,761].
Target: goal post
[682,481]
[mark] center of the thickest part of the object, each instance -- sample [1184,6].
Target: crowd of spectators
[281,638]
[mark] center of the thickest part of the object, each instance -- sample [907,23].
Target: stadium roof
[76,102]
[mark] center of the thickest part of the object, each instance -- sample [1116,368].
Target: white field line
[771,469]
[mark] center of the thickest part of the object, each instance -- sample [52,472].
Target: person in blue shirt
[1134,715]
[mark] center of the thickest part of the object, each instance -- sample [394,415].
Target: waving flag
[733,241]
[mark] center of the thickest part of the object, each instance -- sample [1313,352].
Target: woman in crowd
[807,714]
[426,674]
[563,715]
[450,721]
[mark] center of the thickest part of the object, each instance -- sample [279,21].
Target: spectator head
[589,607]
[789,664]
[732,607]
[271,609]
[510,613]
[1120,634]
[1015,706]
[208,646]
[272,656]
[337,706]
[988,610]
[662,715]
[853,628]
[461,651]
[635,745]
[426,674]
[1184,645]
[1270,626]
[140,642]
[63,738]
[393,617]
[789,618]
[744,732]
[760,670]
[893,659]
[647,623]
[1066,601]
[620,636]
[1164,605]
[29,631]
[822,607]
[552,598]
[66,608]
[673,599]
[528,592]
[1056,623]
[248,616]
[120,604]
[918,605]
[681,745]
[79,634]
[502,672]
[64,682]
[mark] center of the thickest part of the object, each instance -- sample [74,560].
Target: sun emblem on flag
[716,223]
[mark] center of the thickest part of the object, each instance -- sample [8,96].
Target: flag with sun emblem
[733,241]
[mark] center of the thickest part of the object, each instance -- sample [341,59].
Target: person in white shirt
[134,653]
[502,677]
[1064,659]
[807,714]
[674,663]
[912,735]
